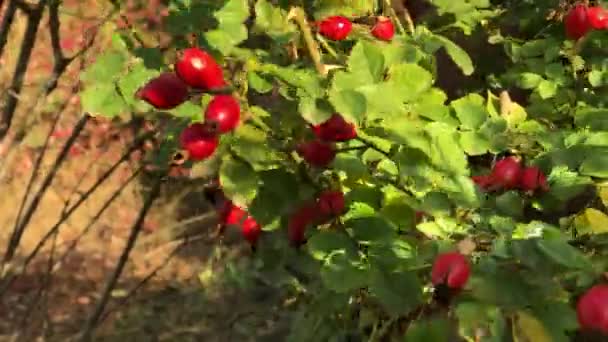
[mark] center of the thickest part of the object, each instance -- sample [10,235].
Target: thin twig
[27,46]
[93,319]
[146,279]
[5,26]
[98,215]
[65,215]
[22,223]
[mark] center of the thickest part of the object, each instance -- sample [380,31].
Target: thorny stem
[297,14]
[389,6]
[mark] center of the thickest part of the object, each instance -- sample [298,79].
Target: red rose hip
[507,173]
[384,29]
[199,70]
[598,17]
[532,179]
[577,23]
[298,221]
[331,203]
[317,153]
[335,129]
[335,27]
[592,309]
[223,113]
[198,141]
[451,269]
[251,230]
[166,91]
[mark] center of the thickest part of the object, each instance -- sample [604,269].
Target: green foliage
[367,272]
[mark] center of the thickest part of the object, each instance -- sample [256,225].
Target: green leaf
[277,195]
[107,67]
[431,105]
[324,244]
[258,83]
[350,103]
[367,62]
[473,143]
[595,164]
[370,230]
[528,80]
[411,80]
[511,204]
[251,144]
[595,119]
[341,273]
[398,292]
[102,99]
[273,21]
[446,153]
[471,111]
[547,89]
[564,254]
[231,31]
[456,53]
[434,330]
[239,181]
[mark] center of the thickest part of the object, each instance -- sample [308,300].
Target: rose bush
[351,170]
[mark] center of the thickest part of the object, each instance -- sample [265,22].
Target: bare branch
[91,323]
[5,26]
[27,45]
[23,222]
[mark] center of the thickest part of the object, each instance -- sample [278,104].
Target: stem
[297,14]
[353,148]
[91,323]
[389,6]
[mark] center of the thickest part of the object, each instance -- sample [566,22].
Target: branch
[5,26]
[87,334]
[297,14]
[29,38]
[22,223]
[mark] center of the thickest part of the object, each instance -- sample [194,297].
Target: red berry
[483,181]
[199,70]
[532,179]
[251,230]
[232,214]
[592,309]
[335,27]
[577,23]
[317,153]
[384,29]
[598,17]
[335,129]
[166,91]
[451,269]
[507,173]
[331,203]
[198,141]
[299,221]
[223,113]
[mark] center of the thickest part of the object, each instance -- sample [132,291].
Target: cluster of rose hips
[197,70]
[338,27]
[321,151]
[582,19]
[508,174]
[328,205]
[452,270]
